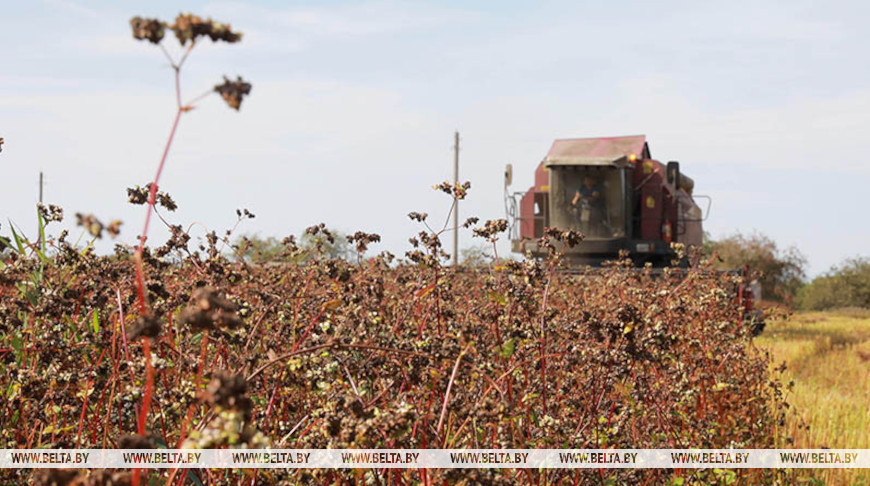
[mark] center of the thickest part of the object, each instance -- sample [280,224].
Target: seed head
[151,30]
[147,326]
[209,310]
[189,27]
[233,91]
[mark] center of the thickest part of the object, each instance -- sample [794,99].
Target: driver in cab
[589,201]
[588,192]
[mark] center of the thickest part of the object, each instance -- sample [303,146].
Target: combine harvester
[611,190]
[614,192]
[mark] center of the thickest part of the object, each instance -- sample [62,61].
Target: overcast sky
[350,122]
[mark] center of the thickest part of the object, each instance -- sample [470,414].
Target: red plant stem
[299,302]
[257,325]
[441,329]
[203,354]
[24,354]
[449,386]
[308,330]
[124,334]
[217,355]
[305,431]
[271,402]
[140,272]
[85,398]
[115,378]
[544,339]
[96,420]
[149,385]
[202,358]
[146,399]
[107,424]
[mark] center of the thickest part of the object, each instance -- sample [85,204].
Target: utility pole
[41,243]
[455,199]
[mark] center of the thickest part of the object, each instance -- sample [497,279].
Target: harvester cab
[615,193]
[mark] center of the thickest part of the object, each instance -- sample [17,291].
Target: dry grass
[828,357]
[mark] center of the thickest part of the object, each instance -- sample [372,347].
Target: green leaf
[41,232]
[16,343]
[161,444]
[96,322]
[17,238]
[507,348]
[194,478]
[497,297]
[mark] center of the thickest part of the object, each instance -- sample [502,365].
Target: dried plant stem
[449,387]
[204,94]
[88,385]
[123,327]
[140,272]
[149,386]
[544,338]
[180,109]
[146,398]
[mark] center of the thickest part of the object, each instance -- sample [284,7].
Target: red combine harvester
[614,192]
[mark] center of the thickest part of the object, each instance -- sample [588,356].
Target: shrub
[257,249]
[780,272]
[476,256]
[845,285]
